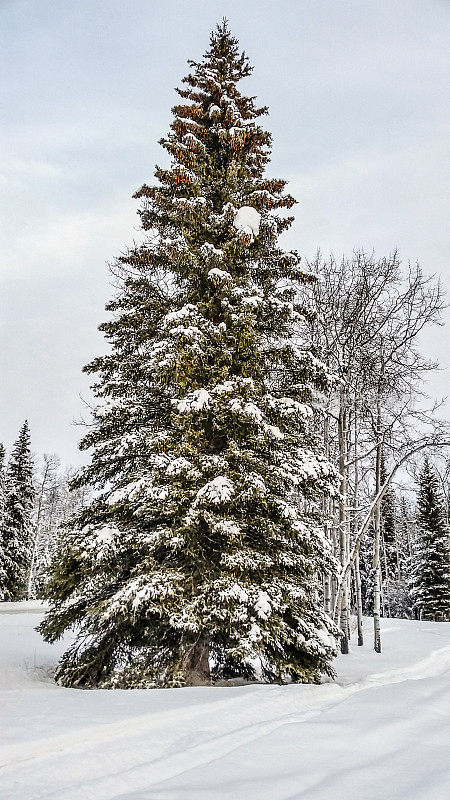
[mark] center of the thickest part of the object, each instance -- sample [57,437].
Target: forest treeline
[36,501]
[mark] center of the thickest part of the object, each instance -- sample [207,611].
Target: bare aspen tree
[356,565]
[343,516]
[54,504]
[369,316]
[376,540]
[43,481]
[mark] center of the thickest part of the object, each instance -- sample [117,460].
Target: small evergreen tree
[395,598]
[389,561]
[2,480]
[397,588]
[405,531]
[430,577]
[367,572]
[2,522]
[206,547]
[17,525]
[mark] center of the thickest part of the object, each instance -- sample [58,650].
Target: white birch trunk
[344,619]
[376,546]
[327,594]
[359,614]
[327,588]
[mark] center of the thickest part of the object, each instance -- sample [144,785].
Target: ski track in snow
[328,694]
[124,759]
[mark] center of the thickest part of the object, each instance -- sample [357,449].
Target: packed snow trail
[379,732]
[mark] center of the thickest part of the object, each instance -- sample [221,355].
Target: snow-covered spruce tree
[2,482]
[396,594]
[389,559]
[16,531]
[2,517]
[206,547]
[430,578]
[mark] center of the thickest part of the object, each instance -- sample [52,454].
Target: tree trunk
[376,611]
[359,614]
[376,546]
[356,566]
[344,622]
[30,580]
[385,601]
[196,663]
[327,579]
[327,593]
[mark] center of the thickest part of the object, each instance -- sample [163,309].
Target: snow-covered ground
[379,733]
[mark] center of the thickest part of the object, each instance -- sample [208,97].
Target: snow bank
[379,732]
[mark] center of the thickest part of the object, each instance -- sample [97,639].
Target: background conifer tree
[206,547]
[389,561]
[396,590]
[430,578]
[2,487]
[17,525]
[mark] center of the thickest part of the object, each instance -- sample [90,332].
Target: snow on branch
[247,221]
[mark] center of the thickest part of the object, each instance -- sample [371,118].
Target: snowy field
[379,733]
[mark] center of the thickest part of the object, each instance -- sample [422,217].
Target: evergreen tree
[2,483]
[389,561]
[367,572]
[2,522]
[404,528]
[206,546]
[430,577]
[396,589]
[17,525]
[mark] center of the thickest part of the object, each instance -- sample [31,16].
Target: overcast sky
[359,111]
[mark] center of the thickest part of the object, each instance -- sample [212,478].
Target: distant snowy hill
[379,733]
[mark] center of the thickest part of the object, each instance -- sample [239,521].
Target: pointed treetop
[224,53]
[223,62]
[25,429]
[20,453]
[24,436]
